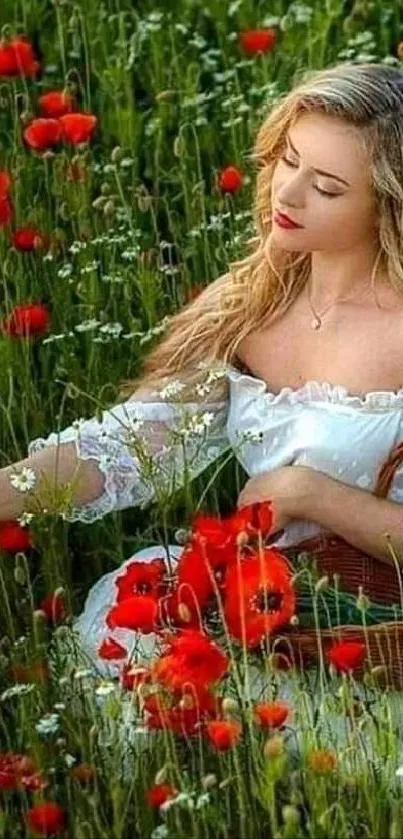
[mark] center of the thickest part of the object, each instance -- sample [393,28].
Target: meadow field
[126,185]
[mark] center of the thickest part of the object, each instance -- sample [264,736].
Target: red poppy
[111,650]
[54,607]
[230,179]
[17,58]
[259,596]
[5,182]
[77,128]
[140,578]
[254,41]
[138,613]
[223,734]
[18,770]
[271,714]
[55,103]
[29,319]
[14,537]
[347,655]
[28,238]
[46,819]
[192,658]
[43,133]
[160,793]
[182,714]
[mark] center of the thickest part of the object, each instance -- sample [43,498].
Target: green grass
[171,89]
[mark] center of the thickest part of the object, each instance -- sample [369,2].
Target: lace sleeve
[173,438]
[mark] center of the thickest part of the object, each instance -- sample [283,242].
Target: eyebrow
[318,171]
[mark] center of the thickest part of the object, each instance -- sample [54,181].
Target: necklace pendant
[316,324]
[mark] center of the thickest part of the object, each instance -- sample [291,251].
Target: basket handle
[387,471]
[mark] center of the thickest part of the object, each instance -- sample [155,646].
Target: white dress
[318,425]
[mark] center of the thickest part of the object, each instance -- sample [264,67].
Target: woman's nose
[290,194]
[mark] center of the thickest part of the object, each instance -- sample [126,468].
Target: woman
[311,409]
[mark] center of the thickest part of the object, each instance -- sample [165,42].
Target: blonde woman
[293,358]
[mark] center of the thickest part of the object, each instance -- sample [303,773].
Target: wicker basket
[382,583]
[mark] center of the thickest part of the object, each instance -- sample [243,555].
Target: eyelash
[322,191]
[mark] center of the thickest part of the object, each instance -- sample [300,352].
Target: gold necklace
[317,322]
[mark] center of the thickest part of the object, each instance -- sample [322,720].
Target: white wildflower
[24,480]
[25,518]
[399,772]
[70,760]
[160,832]
[196,425]
[83,673]
[60,706]
[202,800]
[49,724]
[86,325]
[105,688]
[20,689]
[172,389]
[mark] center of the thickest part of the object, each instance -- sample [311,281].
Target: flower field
[126,184]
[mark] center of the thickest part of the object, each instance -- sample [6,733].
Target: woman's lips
[283,221]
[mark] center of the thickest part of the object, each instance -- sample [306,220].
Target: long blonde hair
[254,291]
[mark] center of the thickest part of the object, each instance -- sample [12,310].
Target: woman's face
[337,210]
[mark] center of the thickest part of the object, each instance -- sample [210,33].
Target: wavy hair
[255,290]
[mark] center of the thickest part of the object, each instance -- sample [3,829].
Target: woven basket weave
[381,582]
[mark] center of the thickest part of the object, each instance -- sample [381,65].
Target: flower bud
[209,781]
[161,776]
[291,815]
[116,155]
[229,706]
[322,583]
[184,613]
[362,601]
[106,189]
[109,208]
[99,203]
[179,146]
[274,747]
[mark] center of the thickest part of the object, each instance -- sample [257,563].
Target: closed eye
[322,191]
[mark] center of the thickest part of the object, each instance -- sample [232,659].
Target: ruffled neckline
[315,391]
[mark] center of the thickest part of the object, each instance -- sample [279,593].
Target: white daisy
[24,480]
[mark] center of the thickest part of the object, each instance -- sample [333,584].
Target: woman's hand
[287,487]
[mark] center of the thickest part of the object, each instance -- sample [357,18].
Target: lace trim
[314,391]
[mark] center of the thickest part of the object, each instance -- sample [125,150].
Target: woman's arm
[358,516]
[58,465]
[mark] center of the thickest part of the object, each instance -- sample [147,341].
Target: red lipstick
[284,221]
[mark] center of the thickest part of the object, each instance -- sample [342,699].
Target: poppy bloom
[223,734]
[28,238]
[191,658]
[55,103]
[14,537]
[230,179]
[254,41]
[43,133]
[259,596]
[17,59]
[77,128]
[46,818]
[6,209]
[111,650]
[160,793]
[271,714]
[322,760]
[347,655]
[137,613]
[18,771]
[140,578]
[54,607]
[182,714]
[29,319]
